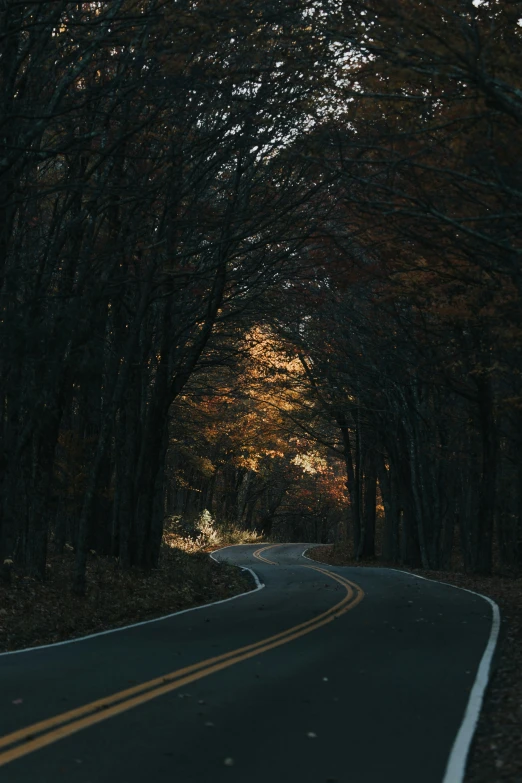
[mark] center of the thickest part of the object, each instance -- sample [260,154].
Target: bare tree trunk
[390,549]
[369,509]
[355,513]
[119,388]
[488,484]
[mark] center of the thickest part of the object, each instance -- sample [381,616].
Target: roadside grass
[204,535]
[496,752]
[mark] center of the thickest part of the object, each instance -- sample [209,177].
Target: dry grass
[207,536]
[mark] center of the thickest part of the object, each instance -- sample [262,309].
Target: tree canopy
[263,261]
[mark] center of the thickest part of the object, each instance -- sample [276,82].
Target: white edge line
[259,586]
[456,766]
[303,554]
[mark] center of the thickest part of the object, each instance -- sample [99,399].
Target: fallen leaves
[35,613]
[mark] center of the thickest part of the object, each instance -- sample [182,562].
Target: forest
[260,267]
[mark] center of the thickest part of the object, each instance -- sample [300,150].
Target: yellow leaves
[273,453]
[269,354]
[206,467]
[250,462]
[311,462]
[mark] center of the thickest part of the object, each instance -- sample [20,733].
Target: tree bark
[488,484]
[355,514]
[367,547]
[390,547]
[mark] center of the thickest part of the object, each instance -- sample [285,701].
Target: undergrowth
[203,534]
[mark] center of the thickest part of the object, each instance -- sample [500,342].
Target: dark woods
[173,174]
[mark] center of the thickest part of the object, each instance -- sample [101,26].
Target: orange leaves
[248,428]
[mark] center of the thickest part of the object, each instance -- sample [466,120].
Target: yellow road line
[103,703]
[258,555]
[70,722]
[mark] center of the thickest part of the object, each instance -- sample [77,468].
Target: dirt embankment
[34,613]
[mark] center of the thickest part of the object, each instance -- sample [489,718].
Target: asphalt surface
[373,690]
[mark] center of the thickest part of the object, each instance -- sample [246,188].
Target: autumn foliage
[261,261]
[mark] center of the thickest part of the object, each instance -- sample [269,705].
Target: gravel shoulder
[496,753]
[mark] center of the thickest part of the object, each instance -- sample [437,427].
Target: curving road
[326,674]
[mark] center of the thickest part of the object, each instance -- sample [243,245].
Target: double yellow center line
[259,554]
[38,735]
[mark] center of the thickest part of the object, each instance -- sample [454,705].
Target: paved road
[337,674]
